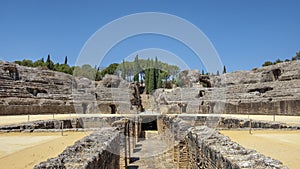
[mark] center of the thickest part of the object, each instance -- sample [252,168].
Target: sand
[24,150]
[291,120]
[278,144]
[6,120]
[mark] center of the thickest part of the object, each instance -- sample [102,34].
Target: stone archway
[113,109]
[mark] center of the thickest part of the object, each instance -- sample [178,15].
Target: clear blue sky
[245,33]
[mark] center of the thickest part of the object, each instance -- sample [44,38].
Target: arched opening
[113,109]
[183,108]
[35,91]
[276,73]
[149,123]
[84,107]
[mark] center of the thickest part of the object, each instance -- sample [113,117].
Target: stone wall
[207,148]
[269,90]
[176,122]
[198,146]
[25,90]
[99,150]
[43,125]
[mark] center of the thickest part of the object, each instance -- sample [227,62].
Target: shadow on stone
[132,167]
[133,159]
[138,145]
[136,150]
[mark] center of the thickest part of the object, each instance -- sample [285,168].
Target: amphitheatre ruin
[243,119]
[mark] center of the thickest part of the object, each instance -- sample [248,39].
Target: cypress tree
[136,69]
[224,69]
[156,74]
[49,63]
[159,81]
[66,60]
[151,76]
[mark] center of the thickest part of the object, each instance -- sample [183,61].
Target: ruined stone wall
[43,125]
[203,147]
[207,148]
[25,90]
[99,150]
[269,90]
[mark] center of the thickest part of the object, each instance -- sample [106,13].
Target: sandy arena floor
[5,120]
[291,120]
[278,144]
[24,150]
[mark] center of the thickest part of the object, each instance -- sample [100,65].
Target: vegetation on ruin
[268,63]
[153,73]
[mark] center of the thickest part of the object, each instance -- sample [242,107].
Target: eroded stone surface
[207,148]
[269,90]
[25,90]
[98,150]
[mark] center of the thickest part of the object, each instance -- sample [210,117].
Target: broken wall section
[207,148]
[99,150]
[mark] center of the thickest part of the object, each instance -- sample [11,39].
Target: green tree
[218,73]
[203,72]
[39,63]
[25,62]
[66,60]
[224,70]
[164,75]
[98,74]
[179,81]
[49,63]
[267,63]
[136,69]
[63,68]
[297,57]
[111,69]
[277,61]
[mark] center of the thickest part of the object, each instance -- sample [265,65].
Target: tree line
[268,63]
[85,70]
[153,73]
[48,64]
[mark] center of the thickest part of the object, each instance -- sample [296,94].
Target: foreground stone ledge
[207,148]
[98,150]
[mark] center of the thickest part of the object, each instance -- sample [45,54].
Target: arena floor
[283,145]
[24,150]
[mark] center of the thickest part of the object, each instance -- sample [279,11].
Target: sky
[244,34]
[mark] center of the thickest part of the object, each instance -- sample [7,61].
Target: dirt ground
[278,144]
[291,120]
[5,120]
[24,150]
